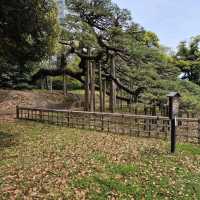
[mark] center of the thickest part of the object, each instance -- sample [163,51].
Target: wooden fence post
[145,121]
[68,118]
[17,112]
[173,135]
[198,131]
[40,115]
[173,113]
[102,123]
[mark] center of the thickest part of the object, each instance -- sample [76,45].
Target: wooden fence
[152,110]
[188,129]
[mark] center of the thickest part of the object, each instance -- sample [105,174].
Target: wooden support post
[63,64]
[92,87]
[68,119]
[173,135]
[173,113]
[145,121]
[102,123]
[100,90]
[64,85]
[104,95]
[112,86]
[173,126]
[51,84]
[87,86]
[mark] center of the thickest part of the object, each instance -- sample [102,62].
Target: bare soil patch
[9,99]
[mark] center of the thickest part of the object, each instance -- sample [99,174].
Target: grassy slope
[47,162]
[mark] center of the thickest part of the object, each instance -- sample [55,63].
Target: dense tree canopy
[29,31]
[108,31]
[188,59]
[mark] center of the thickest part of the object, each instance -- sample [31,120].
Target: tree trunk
[112,86]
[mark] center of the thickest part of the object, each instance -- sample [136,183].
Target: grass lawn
[39,161]
[80,92]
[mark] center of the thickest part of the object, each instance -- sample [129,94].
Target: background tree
[143,67]
[188,59]
[29,32]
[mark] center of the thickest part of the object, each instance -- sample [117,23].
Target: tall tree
[108,30]
[188,59]
[28,30]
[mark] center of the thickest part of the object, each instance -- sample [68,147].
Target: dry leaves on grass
[49,162]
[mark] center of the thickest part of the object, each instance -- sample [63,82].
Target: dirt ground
[9,99]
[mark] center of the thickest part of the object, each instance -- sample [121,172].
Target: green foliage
[72,84]
[24,86]
[151,39]
[190,93]
[29,32]
[188,59]
[146,62]
[11,76]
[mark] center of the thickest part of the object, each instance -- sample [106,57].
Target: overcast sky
[171,20]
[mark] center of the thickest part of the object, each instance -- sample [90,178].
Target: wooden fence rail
[134,125]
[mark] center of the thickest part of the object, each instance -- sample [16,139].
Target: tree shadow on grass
[7,140]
